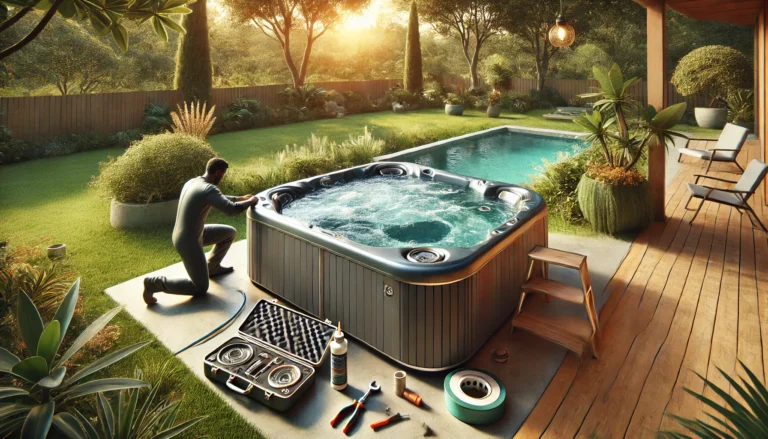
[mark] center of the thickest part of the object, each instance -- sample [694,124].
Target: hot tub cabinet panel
[432,323]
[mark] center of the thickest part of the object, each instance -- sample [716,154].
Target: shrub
[307,96]
[355,103]
[719,68]
[402,96]
[461,97]
[193,119]
[548,97]
[124,139]
[157,119]
[243,114]
[557,181]
[154,169]
[516,102]
[291,114]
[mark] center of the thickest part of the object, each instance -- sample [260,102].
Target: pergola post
[657,96]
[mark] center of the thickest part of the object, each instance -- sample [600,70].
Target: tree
[280,19]
[105,17]
[531,21]
[474,21]
[194,70]
[721,69]
[68,57]
[413,78]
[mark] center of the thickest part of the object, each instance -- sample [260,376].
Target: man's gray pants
[193,257]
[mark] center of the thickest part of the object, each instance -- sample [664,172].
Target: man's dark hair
[216,164]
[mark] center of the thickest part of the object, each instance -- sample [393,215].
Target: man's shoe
[149,291]
[219,271]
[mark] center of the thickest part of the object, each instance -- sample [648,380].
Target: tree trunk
[542,68]
[194,68]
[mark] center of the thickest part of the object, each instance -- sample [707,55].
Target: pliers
[357,406]
[397,417]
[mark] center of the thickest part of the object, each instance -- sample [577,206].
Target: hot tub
[420,264]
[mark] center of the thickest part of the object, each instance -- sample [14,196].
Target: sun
[367,18]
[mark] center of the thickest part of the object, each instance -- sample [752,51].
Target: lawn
[49,201]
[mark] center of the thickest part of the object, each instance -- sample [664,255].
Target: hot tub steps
[537,316]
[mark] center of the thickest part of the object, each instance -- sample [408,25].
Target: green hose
[218,330]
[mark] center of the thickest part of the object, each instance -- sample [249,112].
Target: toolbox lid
[296,334]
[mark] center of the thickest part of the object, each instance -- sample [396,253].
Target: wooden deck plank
[686,300]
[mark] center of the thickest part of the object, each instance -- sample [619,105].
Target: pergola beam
[657,96]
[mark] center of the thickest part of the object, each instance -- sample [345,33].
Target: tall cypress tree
[413,79]
[194,69]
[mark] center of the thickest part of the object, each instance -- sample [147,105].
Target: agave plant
[31,409]
[748,419]
[126,418]
[193,119]
[622,144]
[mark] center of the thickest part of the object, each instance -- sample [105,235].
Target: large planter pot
[711,117]
[614,209]
[493,112]
[454,110]
[132,216]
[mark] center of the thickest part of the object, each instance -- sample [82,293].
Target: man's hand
[252,201]
[244,198]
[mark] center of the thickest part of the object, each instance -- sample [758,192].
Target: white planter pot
[131,216]
[711,117]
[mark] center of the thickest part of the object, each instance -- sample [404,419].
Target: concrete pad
[178,320]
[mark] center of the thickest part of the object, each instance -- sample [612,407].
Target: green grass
[48,201]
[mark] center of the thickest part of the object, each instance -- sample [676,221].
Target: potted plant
[453,106]
[716,71]
[494,110]
[741,108]
[613,195]
[145,182]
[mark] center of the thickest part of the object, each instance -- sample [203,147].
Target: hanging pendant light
[562,34]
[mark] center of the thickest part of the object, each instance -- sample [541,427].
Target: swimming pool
[508,154]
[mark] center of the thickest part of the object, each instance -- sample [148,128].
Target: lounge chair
[736,197]
[726,150]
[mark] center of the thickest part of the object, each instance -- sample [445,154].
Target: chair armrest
[724,149]
[724,190]
[713,178]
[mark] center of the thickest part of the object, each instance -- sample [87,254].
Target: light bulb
[562,34]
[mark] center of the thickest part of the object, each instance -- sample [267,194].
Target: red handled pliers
[357,406]
[397,417]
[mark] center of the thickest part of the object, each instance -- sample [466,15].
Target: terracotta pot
[131,216]
[454,110]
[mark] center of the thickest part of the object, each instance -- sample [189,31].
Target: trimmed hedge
[154,169]
[614,209]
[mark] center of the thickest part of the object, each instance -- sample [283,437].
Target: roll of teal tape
[474,396]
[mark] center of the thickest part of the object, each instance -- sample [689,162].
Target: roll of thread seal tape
[399,382]
[474,396]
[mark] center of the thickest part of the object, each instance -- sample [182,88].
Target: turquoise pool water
[506,156]
[402,212]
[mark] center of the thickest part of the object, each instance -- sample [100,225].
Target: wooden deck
[687,299]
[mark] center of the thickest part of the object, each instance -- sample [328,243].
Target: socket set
[274,358]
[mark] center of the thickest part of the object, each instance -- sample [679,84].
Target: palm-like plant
[193,119]
[126,418]
[748,419]
[32,408]
[622,144]
[307,96]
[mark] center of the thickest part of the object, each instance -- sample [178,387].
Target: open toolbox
[274,358]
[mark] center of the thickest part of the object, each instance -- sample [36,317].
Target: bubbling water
[402,212]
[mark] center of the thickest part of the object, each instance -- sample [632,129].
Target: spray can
[339,360]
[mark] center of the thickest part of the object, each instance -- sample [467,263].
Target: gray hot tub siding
[425,325]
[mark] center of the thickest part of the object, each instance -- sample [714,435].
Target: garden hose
[474,396]
[218,330]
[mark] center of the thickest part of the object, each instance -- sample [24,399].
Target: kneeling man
[191,234]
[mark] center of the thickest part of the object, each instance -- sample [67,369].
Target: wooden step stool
[573,333]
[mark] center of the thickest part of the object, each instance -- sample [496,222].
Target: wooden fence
[38,118]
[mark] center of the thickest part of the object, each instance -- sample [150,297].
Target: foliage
[741,106]
[128,417]
[494,98]
[612,209]
[547,97]
[194,68]
[193,119]
[154,169]
[355,103]
[473,21]
[31,409]
[305,96]
[107,17]
[245,113]
[557,181]
[721,69]
[124,139]
[624,145]
[461,97]
[401,96]
[745,417]
[517,102]
[157,119]
[613,175]
[413,78]
[498,75]
[279,20]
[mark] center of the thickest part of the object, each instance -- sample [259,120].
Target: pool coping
[509,128]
